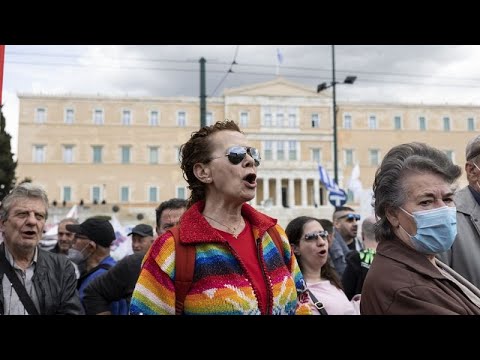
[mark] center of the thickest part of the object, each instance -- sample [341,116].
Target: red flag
[2,60]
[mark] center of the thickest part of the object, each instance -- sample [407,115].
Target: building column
[278,192]
[291,193]
[266,188]
[316,192]
[304,192]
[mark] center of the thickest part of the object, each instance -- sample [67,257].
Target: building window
[374,157]
[67,193]
[124,194]
[372,122]
[292,150]
[316,155]
[244,119]
[40,116]
[126,117]
[68,154]
[292,120]
[97,154]
[209,119]
[181,193]
[446,123]
[177,154]
[349,157]
[153,155]
[280,151]
[39,153]
[397,122]
[422,123]
[471,124]
[268,120]
[96,192]
[181,119]
[98,117]
[153,118]
[280,119]
[450,154]
[315,121]
[347,121]
[153,194]
[125,154]
[268,150]
[69,116]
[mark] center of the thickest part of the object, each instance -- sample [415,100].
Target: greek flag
[327,180]
[279,56]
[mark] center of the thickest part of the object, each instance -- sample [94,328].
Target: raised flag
[327,180]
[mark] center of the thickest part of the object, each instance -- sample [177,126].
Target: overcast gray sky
[385,73]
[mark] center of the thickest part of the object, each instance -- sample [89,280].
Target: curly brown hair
[198,150]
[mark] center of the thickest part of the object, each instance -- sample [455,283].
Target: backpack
[185,265]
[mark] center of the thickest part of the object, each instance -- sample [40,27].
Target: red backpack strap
[184,268]
[277,240]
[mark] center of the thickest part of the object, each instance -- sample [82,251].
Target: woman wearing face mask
[413,192]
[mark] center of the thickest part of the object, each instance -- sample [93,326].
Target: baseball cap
[142,230]
[97,230]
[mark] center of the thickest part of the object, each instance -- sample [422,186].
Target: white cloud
[407,73]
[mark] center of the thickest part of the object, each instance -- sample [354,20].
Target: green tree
[7,165]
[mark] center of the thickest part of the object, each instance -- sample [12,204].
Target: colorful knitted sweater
[220,284]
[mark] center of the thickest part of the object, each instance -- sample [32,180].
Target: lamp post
[348,80]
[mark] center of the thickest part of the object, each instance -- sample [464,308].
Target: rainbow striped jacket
[220,284]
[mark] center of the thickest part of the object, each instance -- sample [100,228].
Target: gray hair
[23,191]
[401,161]
[69,220]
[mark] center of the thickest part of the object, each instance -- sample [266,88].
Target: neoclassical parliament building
[124,151]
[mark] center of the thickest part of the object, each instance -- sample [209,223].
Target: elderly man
[142,238]
[465,251]
[34,281]
[120,281]
[65,237]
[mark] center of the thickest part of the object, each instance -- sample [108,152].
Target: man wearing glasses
[345,221]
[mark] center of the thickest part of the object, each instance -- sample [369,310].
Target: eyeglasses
[236,154]
[350,217]
[316,234]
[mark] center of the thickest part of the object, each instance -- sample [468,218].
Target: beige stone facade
[125,150]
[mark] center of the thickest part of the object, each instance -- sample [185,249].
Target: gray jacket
[464,255]
[55,284]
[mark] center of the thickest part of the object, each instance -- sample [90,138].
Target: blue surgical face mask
[436,229]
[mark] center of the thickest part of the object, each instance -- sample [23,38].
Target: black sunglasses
[351,217]
[316,234]
[236,154]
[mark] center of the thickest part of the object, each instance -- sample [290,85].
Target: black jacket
[116,284]
[55,284]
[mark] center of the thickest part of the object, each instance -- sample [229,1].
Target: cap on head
[98,230]
[142,230]
[473,148]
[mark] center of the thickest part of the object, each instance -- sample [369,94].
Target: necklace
[233,230]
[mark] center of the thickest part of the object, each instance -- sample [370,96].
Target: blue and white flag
[279,56]
[327,180]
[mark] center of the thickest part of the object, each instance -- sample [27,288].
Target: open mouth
[251,179]
[323,252]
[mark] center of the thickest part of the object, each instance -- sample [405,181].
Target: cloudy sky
[385,73]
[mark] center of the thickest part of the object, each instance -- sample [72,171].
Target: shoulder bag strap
[18,286]
[184,269]
[318,304]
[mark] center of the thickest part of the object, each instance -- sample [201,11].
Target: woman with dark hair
[310,246]
[238,268]
[413,192]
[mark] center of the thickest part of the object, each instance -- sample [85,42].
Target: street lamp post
[348,80]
